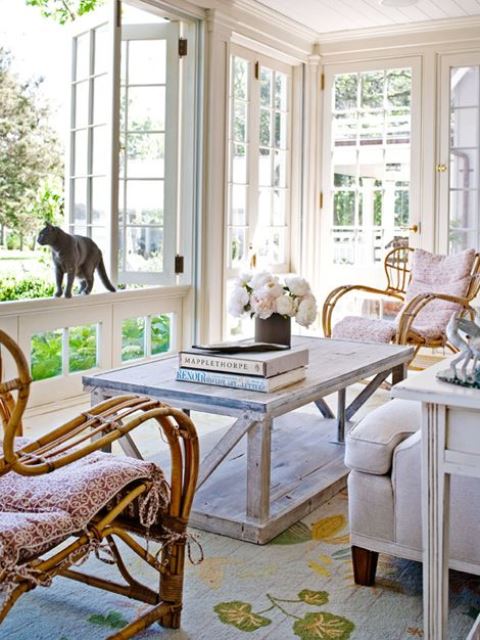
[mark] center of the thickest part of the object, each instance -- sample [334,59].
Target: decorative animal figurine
[468,345]
[76,256]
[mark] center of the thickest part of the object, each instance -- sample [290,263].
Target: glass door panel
[92,159]
[149,115]
[463,222]
[367,170]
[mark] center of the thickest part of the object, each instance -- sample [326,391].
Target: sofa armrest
[370,444]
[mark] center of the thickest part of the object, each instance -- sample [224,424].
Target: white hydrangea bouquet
[262,294]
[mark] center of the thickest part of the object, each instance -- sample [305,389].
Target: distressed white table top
[425,387]
[333,365]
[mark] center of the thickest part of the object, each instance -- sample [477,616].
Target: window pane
[82,67]
[145,155]
[146,109]
[101,49]
[346,88]
[79,187]
[464,86]
[240,78]
[100,150]
[279,208]
[464,127]
[99,235]
[280,169]
[345,129]
[240,122]
[372,89]
[99,198]
[398,127]
[265,127]
[344,208]
[280,130]
[161,327]
[147,62]
[281,91]
[265,167]
[464,169]
[144,250]
[237,244]
[100,102]
[266,78]
[82,348]
[133,339]
[238,205]
[46,354]
[81,104]
[461,240]
[239,164]
[145,202]
[80,139]
[399,88]
[464,209]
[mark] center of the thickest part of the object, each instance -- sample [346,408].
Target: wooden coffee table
[291,462]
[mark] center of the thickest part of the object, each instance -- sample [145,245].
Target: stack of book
[263,371]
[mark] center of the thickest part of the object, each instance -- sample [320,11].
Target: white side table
[450,445]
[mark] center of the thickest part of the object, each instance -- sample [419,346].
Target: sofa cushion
[370,444]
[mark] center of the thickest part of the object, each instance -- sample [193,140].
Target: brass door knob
[414,228]
[441,168]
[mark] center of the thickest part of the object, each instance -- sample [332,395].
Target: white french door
[370,168]
[257,230]
[123,157]
[459,153]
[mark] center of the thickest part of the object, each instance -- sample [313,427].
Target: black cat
[77,256]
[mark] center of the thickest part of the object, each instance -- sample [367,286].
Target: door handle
[414,228]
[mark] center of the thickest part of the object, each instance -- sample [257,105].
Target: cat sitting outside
[76,256]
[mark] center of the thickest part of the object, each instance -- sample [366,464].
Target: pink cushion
[364,329]
[37,512]
[432,273]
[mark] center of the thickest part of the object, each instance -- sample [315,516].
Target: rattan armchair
[61,498]
[404,330]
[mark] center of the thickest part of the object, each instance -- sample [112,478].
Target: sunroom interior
[211,141]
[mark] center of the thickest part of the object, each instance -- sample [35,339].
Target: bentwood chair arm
[335,295]
[419,302]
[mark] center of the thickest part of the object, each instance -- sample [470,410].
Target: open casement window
[259,164]
[122,164]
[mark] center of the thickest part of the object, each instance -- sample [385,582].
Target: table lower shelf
[307,470]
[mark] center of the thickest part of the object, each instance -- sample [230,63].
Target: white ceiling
[326,16]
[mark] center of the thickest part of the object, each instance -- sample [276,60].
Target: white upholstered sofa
[384,454]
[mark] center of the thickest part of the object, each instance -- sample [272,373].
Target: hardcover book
[263,364]
[248,383]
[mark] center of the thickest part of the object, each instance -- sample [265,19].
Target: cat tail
[103,276]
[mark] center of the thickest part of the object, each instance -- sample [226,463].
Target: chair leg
[171,584]
[364,566]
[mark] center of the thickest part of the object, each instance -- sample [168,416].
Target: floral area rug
[299,586]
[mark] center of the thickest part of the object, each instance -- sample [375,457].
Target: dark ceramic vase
[275,329]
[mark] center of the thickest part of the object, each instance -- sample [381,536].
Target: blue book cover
[249,383]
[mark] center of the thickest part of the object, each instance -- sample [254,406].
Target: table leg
[435,514]
[341,415]
[399,373]
[97,396]
[259,451]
